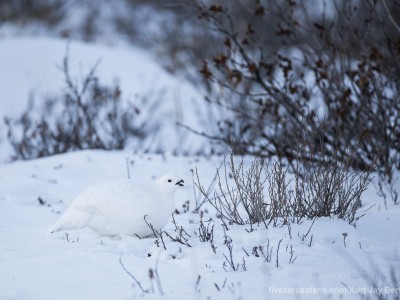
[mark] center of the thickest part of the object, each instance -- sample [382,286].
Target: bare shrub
[323,189]
[321,186]
[244,202]
[317,190]
[85,116]
[229,260]
[181,235]
[206,233]
[24,11]
[332,72]
[387,189]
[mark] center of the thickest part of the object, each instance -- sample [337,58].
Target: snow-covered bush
[88,115]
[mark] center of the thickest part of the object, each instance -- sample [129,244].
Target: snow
[82,265]
[316,263]
[31,66]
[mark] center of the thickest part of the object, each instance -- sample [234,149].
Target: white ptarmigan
[118,207]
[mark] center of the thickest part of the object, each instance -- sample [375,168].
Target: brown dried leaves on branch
[354,92]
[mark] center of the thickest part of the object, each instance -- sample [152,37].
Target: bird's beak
[180,182]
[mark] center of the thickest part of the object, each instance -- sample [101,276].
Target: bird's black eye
[169,180]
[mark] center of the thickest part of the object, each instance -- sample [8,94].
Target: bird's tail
[70,220]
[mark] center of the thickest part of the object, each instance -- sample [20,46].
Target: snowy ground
[82,265]
[31,66]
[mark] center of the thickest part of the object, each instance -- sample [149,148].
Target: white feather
[118,207]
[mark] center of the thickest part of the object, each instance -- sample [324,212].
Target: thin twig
[157,277]
[127,167]
[157,234]
[277,253]
[390,16]
[131,275]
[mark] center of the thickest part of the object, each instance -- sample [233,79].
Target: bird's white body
[118,207]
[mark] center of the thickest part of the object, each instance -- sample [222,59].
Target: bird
[122,207]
